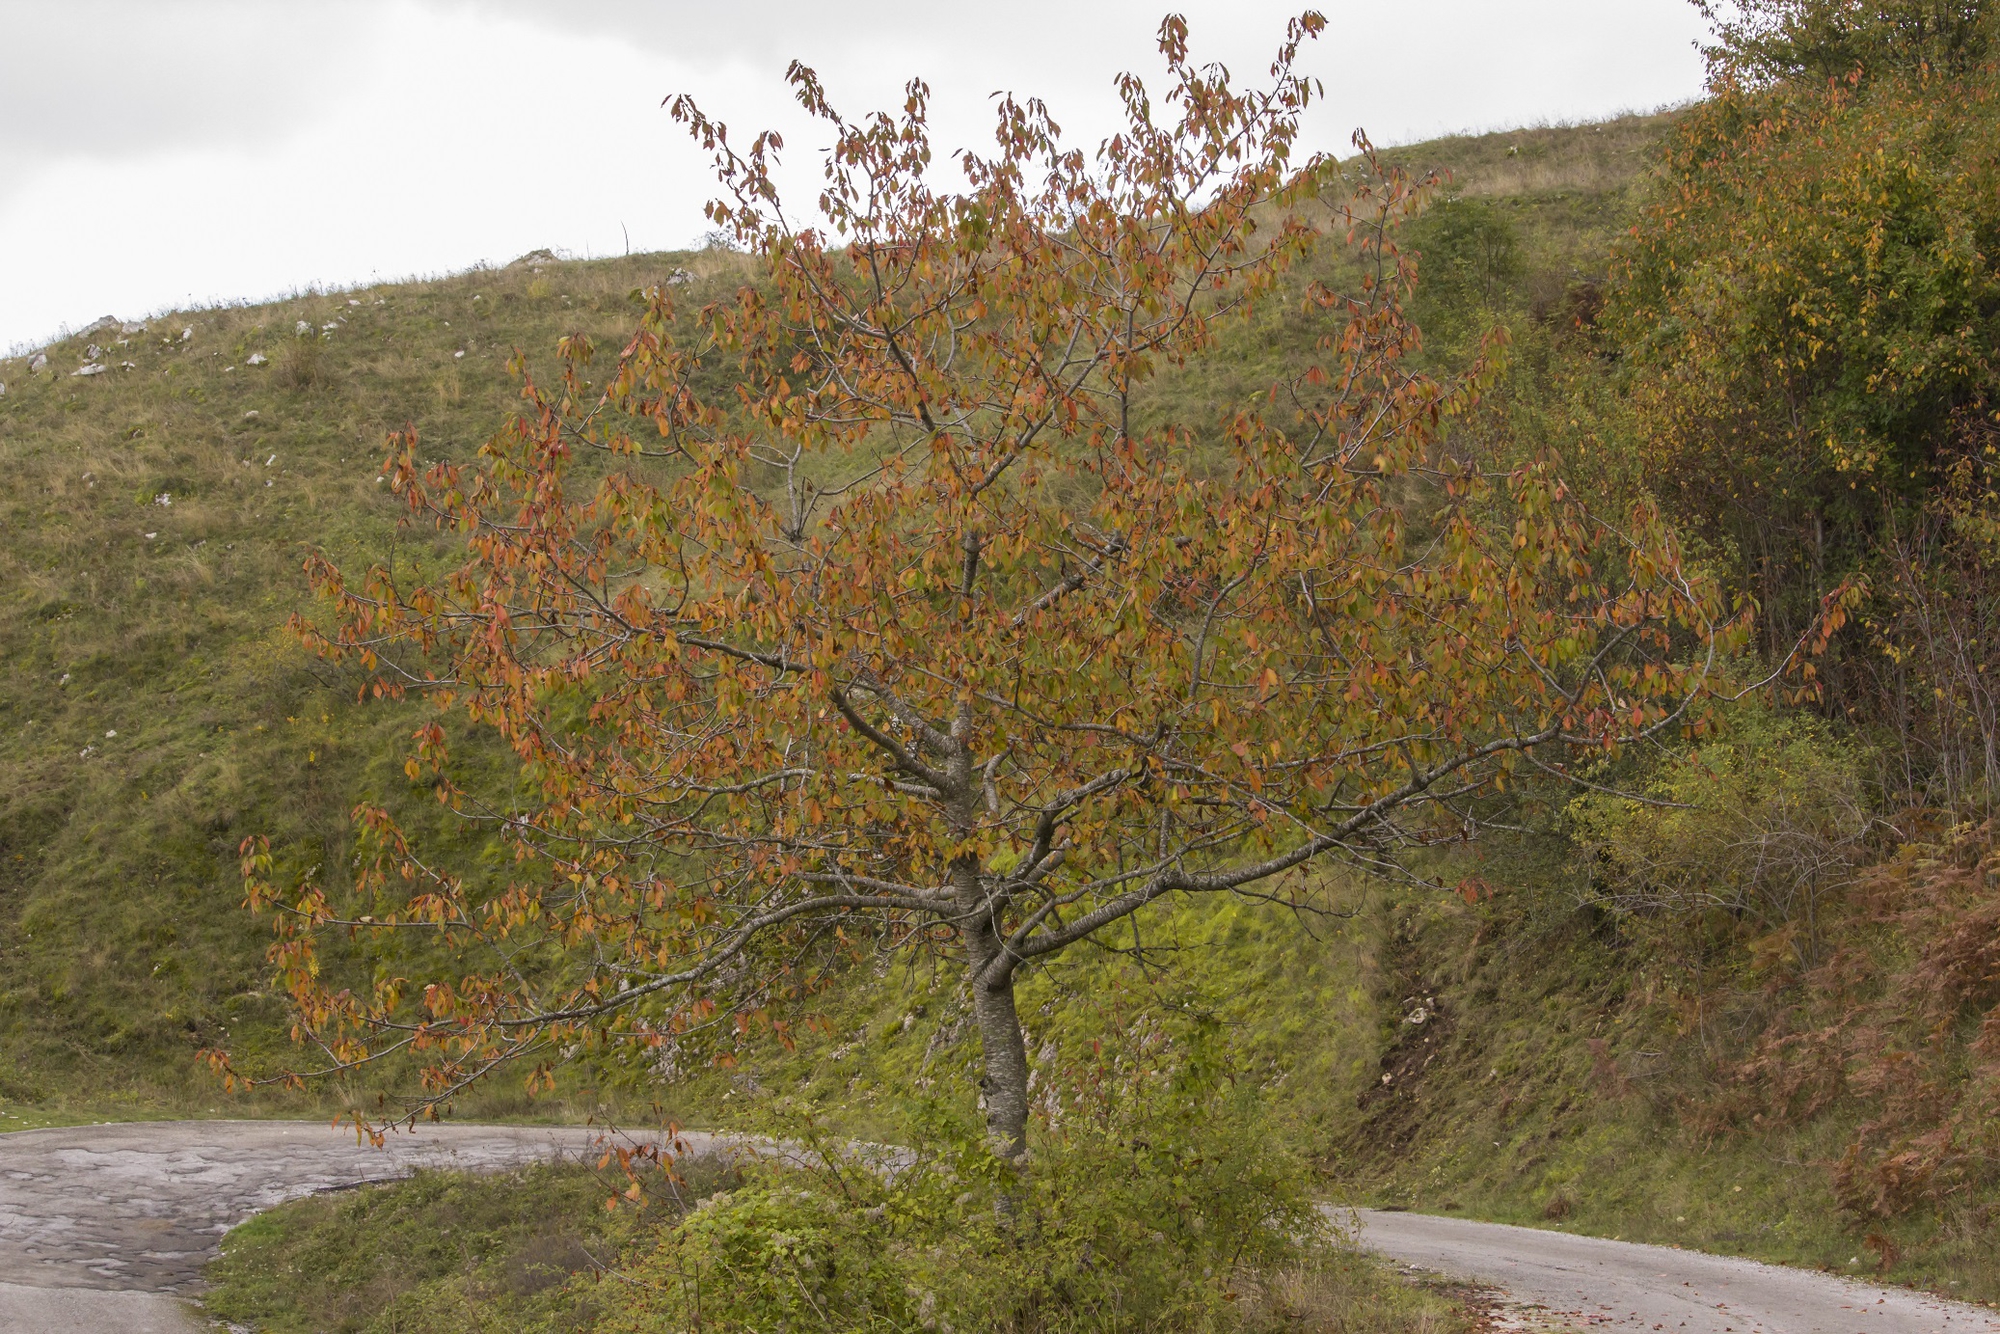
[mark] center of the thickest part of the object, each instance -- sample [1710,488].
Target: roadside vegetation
[1739,994]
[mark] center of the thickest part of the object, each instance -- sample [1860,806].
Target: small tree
[941,629]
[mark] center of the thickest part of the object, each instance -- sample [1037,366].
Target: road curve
[1556,1280]
[104,1229]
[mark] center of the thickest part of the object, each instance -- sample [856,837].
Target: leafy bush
[1158,1199]
[1754,830]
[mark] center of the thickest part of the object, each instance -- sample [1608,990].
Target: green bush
[1748,834]
[1157,1200]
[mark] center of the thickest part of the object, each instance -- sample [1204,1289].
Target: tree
[1808,317]
[940,631]
[1758,42]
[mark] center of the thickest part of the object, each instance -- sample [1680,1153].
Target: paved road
[1555,1280]
[105,1229]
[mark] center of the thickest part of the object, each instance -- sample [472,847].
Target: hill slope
[150,549]
[156,712]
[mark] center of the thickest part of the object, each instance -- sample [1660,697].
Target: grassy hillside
[151,537]
[150,550]
[1513,1058]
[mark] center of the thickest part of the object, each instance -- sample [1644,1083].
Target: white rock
[132,328]
[164,500]
[251,415]
[97,369]
[456,355]
[273,459]
[3,389]
[40,360]
[258,359]
[328,328]
[109,735]
[352,302]
[128,365]
[187,333]
[302,328]
[92,352]
[151,536]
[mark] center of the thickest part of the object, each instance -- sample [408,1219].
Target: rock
[97,369]
[128,365]
[302,328]
[258,359]
[105,324]
[93,352]
[456,355]
[132,328]
[38,363]
[536,258]
[187,333]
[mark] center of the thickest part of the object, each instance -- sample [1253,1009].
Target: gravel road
[1557,1281]
[105,1229]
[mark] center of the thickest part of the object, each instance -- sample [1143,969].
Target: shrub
[1755,830]
[299,363]
[1157,1200]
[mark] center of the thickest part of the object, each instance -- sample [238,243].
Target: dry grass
[1352,1294]
[1609,157]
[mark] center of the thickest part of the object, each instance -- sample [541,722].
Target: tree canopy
[934,630]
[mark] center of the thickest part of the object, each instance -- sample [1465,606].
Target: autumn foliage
[901,613]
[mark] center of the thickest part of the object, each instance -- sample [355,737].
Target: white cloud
[157,153]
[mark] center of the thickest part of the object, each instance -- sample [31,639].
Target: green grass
[441,1251]
[153,527]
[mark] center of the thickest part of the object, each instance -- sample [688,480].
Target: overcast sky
[165,153]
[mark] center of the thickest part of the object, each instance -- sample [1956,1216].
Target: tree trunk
[1004,1067]
[1003,1050]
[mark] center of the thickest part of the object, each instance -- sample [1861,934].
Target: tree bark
[1003,1049]
[1004,1061]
